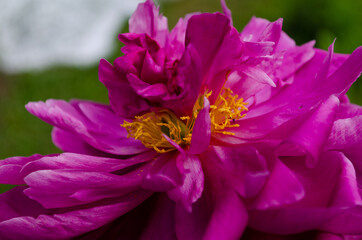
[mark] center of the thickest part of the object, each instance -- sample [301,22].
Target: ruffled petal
[146,19]
[71,223]
[243,168]
[201,134]
[10,169]
[51,188]
[188,81]
[218,214]
[124,101]
[346,136]
[310,136]
[329,189]
[96,124]
[218,46]
[281,188]
[193,184]
[69,142]
[14,203]
[163,174]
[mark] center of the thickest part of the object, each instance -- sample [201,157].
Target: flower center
[151,128]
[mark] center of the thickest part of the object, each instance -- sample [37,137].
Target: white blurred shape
[35,34]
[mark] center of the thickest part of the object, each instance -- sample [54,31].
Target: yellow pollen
[151,127]
[227,109]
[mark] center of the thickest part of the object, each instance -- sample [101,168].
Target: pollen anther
[151,127]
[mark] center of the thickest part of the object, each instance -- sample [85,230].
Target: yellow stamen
[150,127]
[227,109]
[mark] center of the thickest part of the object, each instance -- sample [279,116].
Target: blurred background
[51,49]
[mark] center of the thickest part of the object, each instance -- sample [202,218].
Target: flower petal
[163,174]
[330,189]
[146,19]
[71,223]
[218,214]
[124,101]
[201,133]
[281,188]
[311,135]
[218,46]
[87,121]
[193,184]
[243,168]
[14,203]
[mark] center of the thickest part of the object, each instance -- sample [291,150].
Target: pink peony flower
[210,134]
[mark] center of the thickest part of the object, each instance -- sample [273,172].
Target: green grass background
[304,20]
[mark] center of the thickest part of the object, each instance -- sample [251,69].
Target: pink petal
[281,188]
[193,184]
[201,133]
[162,220]
[329,189]
[10,169]
[218,46]
[86,120]
[163,174]
[243,168]
[71,223]
[14,203]
[311,135]
[218,214]
[146,19]
[124,101]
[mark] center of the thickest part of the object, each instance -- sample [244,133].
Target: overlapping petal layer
[288,167]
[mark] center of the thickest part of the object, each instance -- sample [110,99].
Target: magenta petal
[69,142]
[124,101]
[258,75]
[51,188]
[311,135]
[188,80]
[163,174]
[201,134]
[228,219]
[251,234]
[243,167]
[272,31]
[10,169]
[347,222]
[193,184]
[79,162]
[86,120]
[331,183]
[294,58]
[218,214]
[350,71]
[155,91]
[162,220]
[255,49]
[254,29]
[346,136]
[14,203]
[323,71]
[146,19]
[72,223]
[281,188]
[176,40]
[226,11]
[218,46]
[330,189]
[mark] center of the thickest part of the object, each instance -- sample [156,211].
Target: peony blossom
[210,133]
